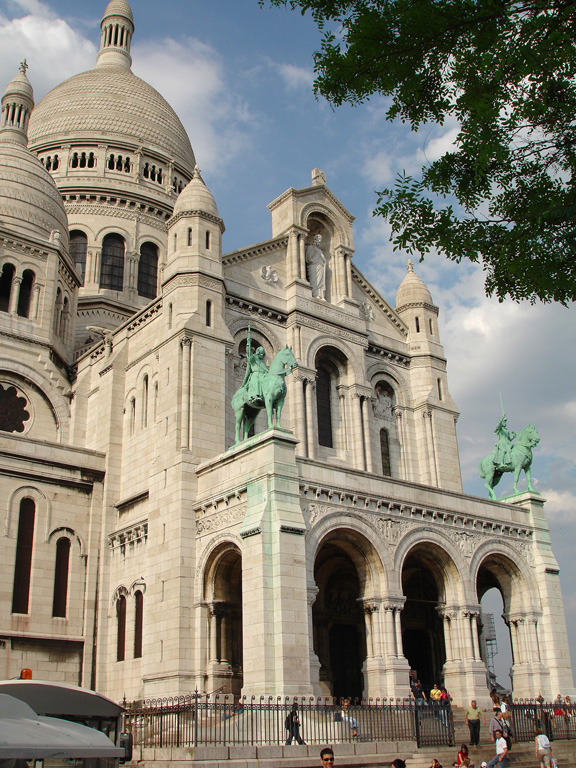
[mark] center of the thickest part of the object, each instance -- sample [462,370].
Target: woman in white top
[543,749]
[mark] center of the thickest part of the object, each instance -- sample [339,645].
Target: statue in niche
[316,262]
[509,458]
[383,404]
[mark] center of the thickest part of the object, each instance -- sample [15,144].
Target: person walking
[292,725]
[543,748]
[472,718]
[500,757]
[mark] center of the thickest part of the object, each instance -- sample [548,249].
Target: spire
[117,29]
[17,104]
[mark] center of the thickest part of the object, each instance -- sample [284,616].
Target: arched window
[57,312]
[385,452]
[138,623]
[323,407]
[25,295]
[78,251]
[209,314]
[417,321]
[112,266]
[23,564]
[132,415]
[207,240]
[64,319]
[189,236]
[148,271]
[61,578]
[145,402]
[121,628]
[439,383]
[6,279]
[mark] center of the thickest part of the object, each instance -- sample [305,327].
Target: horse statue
[520,459]
[271,395]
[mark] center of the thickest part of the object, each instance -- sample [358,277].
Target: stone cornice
[305,192]
[383,305]
[253,308]
[259,249]
[198,212]
[419,305]
[388,354]
[339,499]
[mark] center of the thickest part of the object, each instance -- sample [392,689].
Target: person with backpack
[292,725]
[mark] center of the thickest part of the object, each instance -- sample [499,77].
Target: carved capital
[186,342]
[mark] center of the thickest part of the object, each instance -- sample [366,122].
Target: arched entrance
[223,593]
[340,573]
[423,585]
[514,632]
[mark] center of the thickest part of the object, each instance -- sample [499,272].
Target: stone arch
[430,580]
[222,601]
[396,379]
[317,344]
[43,509]
[206,555]
[71,533]
[347,573]
[330,218]
[447,555]
[240,327]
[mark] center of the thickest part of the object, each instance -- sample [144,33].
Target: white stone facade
[147,555]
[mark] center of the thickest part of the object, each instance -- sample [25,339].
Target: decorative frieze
[223,519]
[129,537]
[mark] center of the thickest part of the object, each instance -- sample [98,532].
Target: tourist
[327,757]
[496,724]
[435,694]
[292,725]
[543,748]
[435,763]
[472,718]
[500,757]
[463,758]
[495,701]
[347,717]
[398,763]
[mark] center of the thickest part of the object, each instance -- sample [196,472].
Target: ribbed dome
[110,104]
[119,8]
[30,203]
[196,197]
[412,290]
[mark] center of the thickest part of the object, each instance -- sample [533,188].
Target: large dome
[111,105]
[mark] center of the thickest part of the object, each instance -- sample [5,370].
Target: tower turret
[117,29]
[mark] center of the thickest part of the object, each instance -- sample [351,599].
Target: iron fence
[556,719]
[207,720]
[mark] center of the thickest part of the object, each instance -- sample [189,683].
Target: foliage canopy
[504,72]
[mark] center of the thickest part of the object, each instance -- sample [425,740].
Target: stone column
[447,625]
[367,434]
[213,655]
[369,609]
[429,427]
[401,439]
[293,256]
[35,303]
[96,262]
[302,256]
[14,296]
[186,345]
[360,461]
[314,660]
[390,630]
[223,635]
[398,630]
[348,267]
[299,420]
[310,418]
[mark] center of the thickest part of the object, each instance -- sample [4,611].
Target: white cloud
[296,78]
[53,50]
[191,77]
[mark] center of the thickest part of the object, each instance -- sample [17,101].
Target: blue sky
[240,78]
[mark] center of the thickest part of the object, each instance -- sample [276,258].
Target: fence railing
[202,720]
[557,720]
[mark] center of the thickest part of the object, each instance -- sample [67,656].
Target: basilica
[150,547]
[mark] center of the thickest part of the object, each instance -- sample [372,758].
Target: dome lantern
[117,29]
[17,105]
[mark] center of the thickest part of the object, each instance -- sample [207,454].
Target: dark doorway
[345,661]
[422,630]
[338,618]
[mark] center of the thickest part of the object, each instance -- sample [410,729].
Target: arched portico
[223,602]
[523,619]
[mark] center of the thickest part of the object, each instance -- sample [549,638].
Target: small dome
[412,290]
[30,203]
[119,8]
[196,197]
